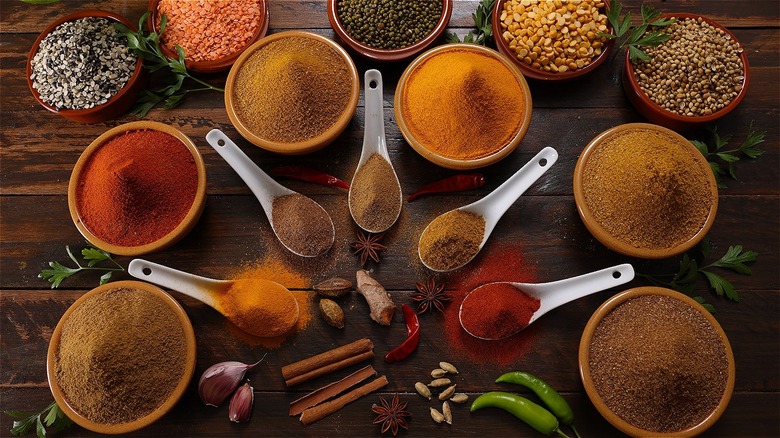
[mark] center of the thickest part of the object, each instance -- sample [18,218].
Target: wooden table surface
[542,229]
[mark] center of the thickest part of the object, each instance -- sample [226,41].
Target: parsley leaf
[482,21]
[57,272]
[50,420]
[722,161]
[638,36]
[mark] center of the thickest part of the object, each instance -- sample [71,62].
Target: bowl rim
[302,147]
[216,65]
[388,55]
[647,107]
[602,235]
[173,398]
[85,112]
[186,224]
[538,74]
[452,163]
[584,362]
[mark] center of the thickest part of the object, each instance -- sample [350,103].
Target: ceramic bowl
[311,144]
[448,162]
[389,55]
[117,104]
[179,231]
[615,244]
[587,378]
[536,73]
[216,65]
[656,114]
[173,398]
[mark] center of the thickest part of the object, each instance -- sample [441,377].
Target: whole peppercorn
[386,24]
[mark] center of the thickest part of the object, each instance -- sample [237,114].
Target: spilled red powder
[497,310]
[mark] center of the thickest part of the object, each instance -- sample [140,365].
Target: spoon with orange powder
[260,307]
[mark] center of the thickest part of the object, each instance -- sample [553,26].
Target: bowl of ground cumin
[654,362]
[293,92]
[121,357]
[645,191]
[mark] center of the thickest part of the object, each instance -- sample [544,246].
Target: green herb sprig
[735,259]
[171,73]
[484,35]
[722,161]
[39,2]
[57,272]
[638,36]
[50,420]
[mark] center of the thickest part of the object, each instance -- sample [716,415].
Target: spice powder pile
[451,240]
[302,225]
[375,197]
[658,363]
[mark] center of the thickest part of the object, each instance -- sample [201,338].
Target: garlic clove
[220,380]
[241,404]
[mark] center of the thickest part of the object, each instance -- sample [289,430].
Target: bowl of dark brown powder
[654,362]
[121,357]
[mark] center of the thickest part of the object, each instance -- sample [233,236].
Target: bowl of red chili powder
[111,374]
[654,362]
[138,188]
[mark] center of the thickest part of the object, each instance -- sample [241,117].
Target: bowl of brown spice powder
[645,191]
[654,362]
[121,357]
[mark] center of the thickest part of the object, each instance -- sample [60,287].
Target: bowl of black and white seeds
[82,70]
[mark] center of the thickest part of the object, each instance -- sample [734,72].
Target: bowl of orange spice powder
[212,33]
[138,188]
[463,106]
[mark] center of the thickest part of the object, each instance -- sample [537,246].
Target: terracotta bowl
[217,65]
[311,144]
[449,162]
[117,104]
[389,55]
[539,74]
[587,378]
[656,114]
[172,399]
[184,227]
[613,243]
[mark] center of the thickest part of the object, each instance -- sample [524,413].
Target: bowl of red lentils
[389,31]
[696,77]
[553,40]
[87,85]
[213,33]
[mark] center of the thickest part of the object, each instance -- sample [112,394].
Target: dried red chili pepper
[412,337]
[309,175]
[455,183]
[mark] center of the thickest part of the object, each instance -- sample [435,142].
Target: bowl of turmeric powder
[463,106]
[645,191]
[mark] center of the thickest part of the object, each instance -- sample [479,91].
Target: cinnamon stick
[330,368]
[312,415]
[327,358]
[331,390]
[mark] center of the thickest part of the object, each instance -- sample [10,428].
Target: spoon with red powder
[498,310]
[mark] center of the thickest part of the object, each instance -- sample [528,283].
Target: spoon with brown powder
[260,307]
[456,237]
[375,193]
[300,224]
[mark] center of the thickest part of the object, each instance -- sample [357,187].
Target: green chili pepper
[534,415]
[554,402]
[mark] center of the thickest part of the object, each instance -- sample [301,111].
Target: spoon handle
[374,137]
[570,289]
[191,285]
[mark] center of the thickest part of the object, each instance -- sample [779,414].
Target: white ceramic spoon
[493,206]
[556,293]
[263,186]
[374,142]
[221,295]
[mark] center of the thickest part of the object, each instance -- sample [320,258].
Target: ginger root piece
[379,301]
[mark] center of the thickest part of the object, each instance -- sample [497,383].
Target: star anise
[368,246]
[391,415]
[430,296]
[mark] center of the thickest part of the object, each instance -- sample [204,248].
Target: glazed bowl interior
[184,227]
[602,235]
[587,377]
[536,73]
[448,162]
[173,398]
[311,144]
[656,114]
[216,65]
[118,103]
[389,55]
